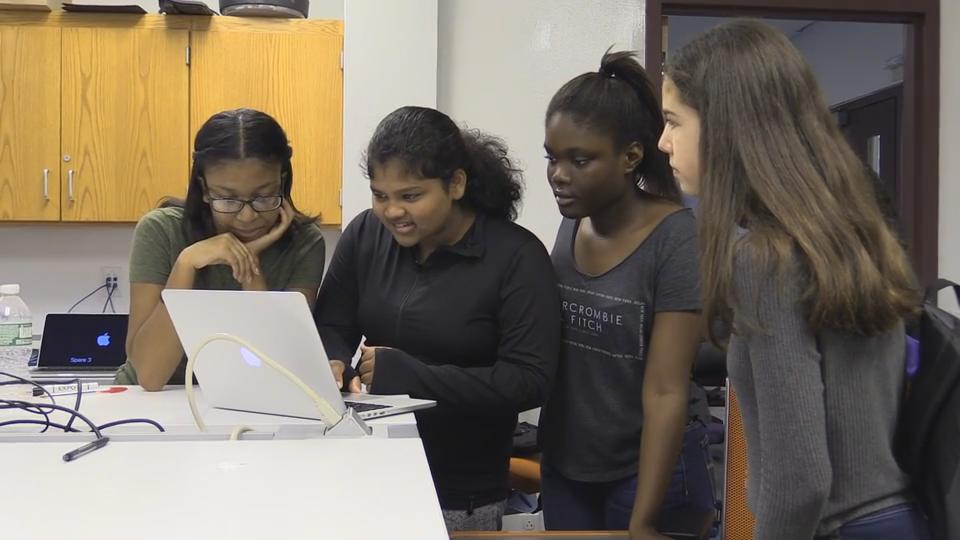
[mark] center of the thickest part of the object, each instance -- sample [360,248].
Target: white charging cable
[328,414]
[239,430]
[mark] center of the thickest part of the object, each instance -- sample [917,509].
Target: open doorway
[859,66]
[906,158]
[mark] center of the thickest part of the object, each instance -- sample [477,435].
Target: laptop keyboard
[360,406]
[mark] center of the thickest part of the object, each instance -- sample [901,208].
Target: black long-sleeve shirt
[476,328]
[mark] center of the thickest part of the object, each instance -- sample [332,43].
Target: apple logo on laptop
[104,340]
[250,358]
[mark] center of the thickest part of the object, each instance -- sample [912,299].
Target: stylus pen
[86,449]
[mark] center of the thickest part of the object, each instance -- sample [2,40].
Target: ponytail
[619,101]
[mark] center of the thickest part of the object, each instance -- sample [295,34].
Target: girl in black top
[457,303]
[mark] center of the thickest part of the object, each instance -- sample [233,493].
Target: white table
[370,488]
[169,407]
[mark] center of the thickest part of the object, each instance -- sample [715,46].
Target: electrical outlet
[523,522]
[114,273]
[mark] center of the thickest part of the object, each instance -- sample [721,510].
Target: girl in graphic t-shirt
[620,446]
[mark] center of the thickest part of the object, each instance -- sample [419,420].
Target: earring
[642,182]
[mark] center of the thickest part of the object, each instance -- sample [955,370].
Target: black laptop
[81,345]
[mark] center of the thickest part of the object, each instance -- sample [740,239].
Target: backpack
[928,434]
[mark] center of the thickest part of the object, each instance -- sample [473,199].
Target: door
[872,126]
[295,77]
[125,121]
[29,123]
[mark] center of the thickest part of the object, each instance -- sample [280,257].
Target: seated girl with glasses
[238,229]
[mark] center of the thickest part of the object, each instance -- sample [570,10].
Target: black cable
[21,380]
[17,404]
[38,408]
[104,286]
[32,408]
[133,421]
[47,423]
[109,300]
[76,404]
[106,426]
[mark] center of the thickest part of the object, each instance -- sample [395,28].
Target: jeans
[899,522]
[571,505]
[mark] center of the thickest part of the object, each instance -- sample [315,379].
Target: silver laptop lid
[278,324]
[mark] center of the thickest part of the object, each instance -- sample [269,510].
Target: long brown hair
[774,162]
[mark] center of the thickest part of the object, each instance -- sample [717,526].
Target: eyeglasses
[235,206]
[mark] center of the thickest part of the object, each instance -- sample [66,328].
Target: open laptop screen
[80,341]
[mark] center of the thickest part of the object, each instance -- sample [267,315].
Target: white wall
[501,61]
[949,135]
[390,60]
[58,264]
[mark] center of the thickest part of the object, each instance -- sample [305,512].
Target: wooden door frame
[920,127]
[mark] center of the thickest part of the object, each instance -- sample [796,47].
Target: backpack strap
[939,285]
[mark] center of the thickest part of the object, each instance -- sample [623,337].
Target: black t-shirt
[590,427]
[476,328]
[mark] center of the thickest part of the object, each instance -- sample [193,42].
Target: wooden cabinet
[29,123]
[291,71]
[125,116]
[109,105]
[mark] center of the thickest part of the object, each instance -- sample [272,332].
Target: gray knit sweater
[819,410]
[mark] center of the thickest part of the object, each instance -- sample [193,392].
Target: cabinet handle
[70,185]
[46,184]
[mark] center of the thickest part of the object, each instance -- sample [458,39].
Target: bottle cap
[10,289]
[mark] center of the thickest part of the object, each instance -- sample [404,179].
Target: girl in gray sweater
[798,260]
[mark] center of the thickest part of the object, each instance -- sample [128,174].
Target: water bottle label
[16,334]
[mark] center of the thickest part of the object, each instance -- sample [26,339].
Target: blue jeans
[903,522]
[569,505]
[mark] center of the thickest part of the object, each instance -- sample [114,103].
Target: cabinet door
[29,123]
[294,77]
[125,121]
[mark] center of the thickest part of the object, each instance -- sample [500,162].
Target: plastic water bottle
[16,331]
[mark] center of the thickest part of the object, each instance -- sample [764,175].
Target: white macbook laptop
[279,325]
[81,346]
